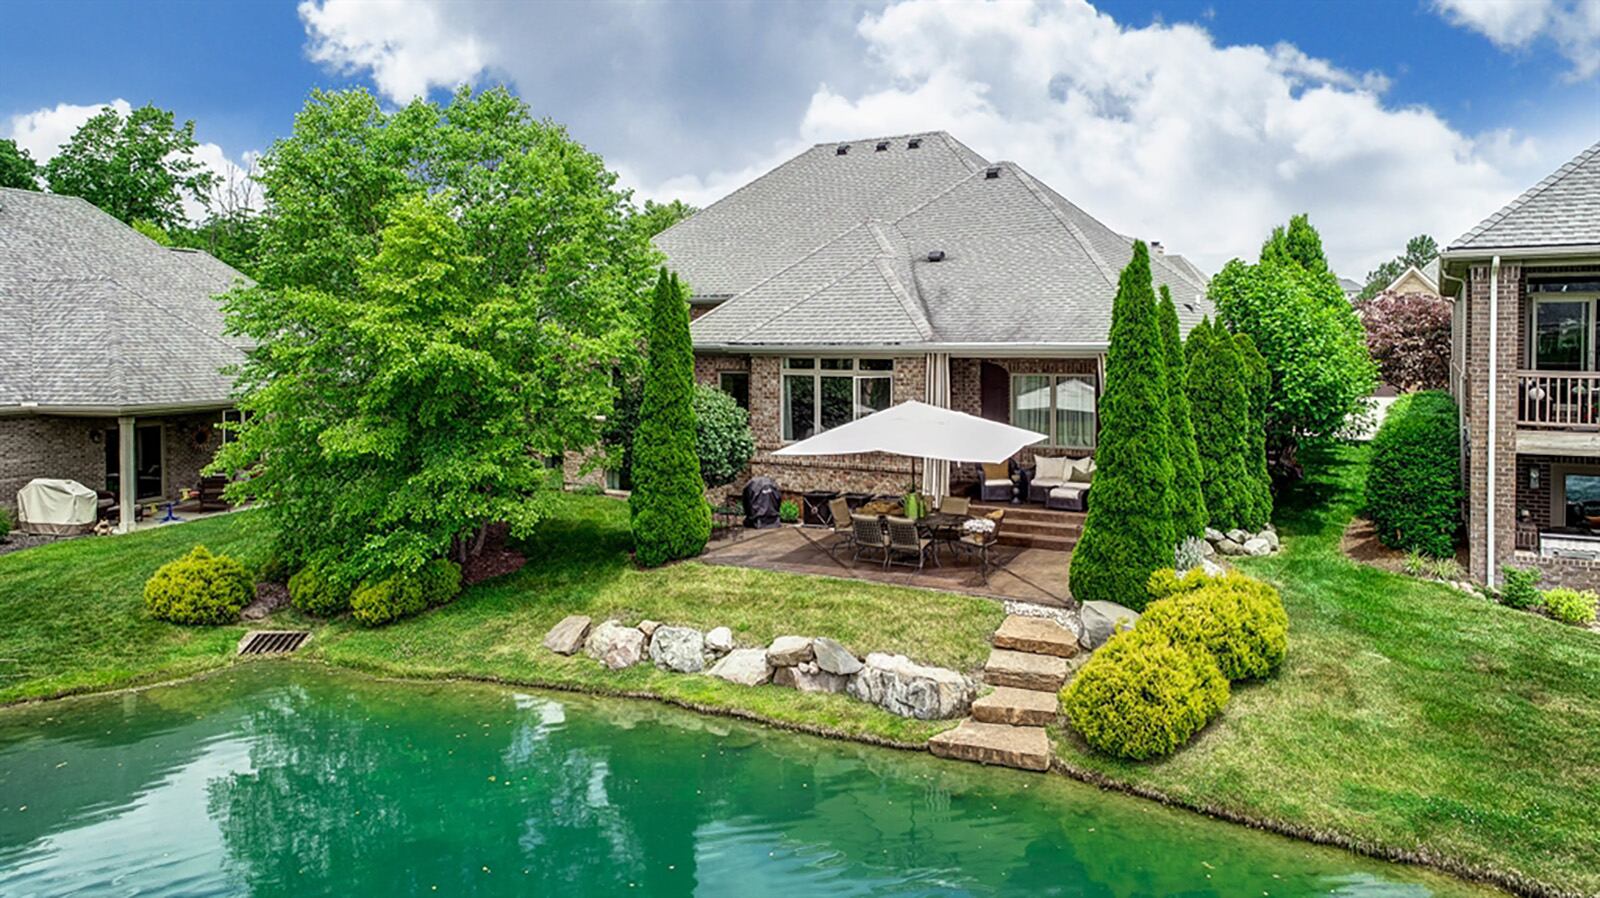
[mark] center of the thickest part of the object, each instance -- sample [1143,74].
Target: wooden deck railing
[1559,399]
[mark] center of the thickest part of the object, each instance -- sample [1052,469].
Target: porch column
[936,472]
[127,487]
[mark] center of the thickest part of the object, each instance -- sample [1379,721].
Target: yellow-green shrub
[440,580]
[1570,606]
[1166,581]
[378,603]
[313,592]
[1238,619]
[199,588]
[1143,695]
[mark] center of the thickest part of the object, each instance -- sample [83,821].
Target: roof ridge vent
[992,172]
[841,149]
[882,145]
[914,143]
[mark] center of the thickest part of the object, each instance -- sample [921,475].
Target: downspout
[1494,385]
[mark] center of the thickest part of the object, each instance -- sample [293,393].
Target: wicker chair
[843,528]
[954,505]
[869,535]
[905,539]
[979,544]
[994,482]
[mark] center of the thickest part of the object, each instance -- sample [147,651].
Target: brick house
[111,353]
[1525,368]
[862,274]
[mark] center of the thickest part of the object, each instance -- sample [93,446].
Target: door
[994,388]
[149,480]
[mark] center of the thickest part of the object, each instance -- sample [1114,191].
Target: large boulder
[787,651]
[680,649]
[719,641]
[1101,620]
[747,667]
[1256,546]
[615,645]
[1214,535]
[1270,537]
[834,658]
[900,686]
[809,677]
[566,637]
[1239,536]
[1227,546]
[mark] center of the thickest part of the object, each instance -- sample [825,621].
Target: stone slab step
[1038,635]
[1025,748]
[1025,670]
[1035,541]
[1031,513]
[1016,707]
[1042,528]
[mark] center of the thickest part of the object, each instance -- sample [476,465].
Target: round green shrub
[1414,481]
[788,511]
[1240,621]
[722,436]
[1143,695]
[440,580]
[1166,582]
[5,524]
[199,588]
[1571,606]
[1519,587]
[375,604]
[313,592]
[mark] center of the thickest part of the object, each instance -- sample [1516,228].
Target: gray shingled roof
[100,317]
[1561,210]
[1022,265]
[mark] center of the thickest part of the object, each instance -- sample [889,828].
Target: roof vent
[913,143]
[935,255]
[883,145]
[1157,248]
[842,149]
[991,172]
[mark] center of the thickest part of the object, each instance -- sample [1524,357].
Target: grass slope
[1408,716]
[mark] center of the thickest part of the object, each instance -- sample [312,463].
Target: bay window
[822,393]
[1060,406]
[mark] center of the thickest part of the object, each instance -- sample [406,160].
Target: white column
[126,486]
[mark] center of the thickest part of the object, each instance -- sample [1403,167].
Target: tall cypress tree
[1128,533]
[1189,516]
[671,518]
[1221,413]
[1258,391]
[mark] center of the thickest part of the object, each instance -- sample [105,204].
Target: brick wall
[1575,573]
[1503,464]
[75,449]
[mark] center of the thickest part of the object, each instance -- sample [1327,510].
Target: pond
[286,779]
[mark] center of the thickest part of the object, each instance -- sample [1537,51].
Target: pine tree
[671,518]
[1189,516]
[1128,533]
[1221,414]
[1258,390]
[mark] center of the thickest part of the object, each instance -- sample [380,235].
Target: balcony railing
[1565,399]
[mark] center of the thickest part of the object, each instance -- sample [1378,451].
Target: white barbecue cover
[56,506]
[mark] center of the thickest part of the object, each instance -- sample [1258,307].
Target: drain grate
[272,642]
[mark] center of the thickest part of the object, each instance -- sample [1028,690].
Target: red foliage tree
[1409,337]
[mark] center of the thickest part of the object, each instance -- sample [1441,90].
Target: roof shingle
[1561,210]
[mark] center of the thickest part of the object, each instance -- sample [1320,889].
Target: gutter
[1521,252]
[998,350]
[1494,380]
[115,411]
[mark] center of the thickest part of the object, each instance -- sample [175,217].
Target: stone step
[1016,707]
[1038,635]
[1036,513]
[1036,541]
[1025,748]
[1041,528]
[1025,670]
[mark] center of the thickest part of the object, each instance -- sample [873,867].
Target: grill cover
[56,506]
[761,500]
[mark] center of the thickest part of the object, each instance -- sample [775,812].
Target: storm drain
[272,642]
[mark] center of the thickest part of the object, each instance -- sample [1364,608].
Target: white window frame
[841,367]
[1589,299]
[1055,382]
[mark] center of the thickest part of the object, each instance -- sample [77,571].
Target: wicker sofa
[1062,482]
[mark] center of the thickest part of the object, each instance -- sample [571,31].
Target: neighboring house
[111,353]
[866,273]
[1526,370]
[1422,281]
[1351,288]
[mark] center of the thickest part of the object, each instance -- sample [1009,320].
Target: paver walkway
[1027,667]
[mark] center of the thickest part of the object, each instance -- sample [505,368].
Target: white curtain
[936,472]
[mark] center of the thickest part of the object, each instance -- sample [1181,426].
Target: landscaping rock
[747,667]
[787,651]
[566,637]
[1038,635]
[719,640]
[1227,546]
[1238,536]
[901,686]
[680,649]
[1214,535]
[809,678]
[1271,538]
[616,645]
[1257,547]
[1022,747]
[834,658]
[649,627]
[1101,620]
[1207,550]
[1211,568]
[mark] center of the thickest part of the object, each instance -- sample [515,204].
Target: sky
[1198,123]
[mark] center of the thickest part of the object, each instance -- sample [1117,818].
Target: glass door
[1563,334]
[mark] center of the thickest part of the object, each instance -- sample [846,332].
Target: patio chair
[1074,494]
[995,485]
[869,535]
[843,526]
[954,505]
[906,539]
[980,544]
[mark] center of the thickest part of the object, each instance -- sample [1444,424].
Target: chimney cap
[1157,248]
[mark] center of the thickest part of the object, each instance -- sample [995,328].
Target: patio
[1016,573]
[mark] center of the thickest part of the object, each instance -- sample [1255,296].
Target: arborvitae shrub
[1143,695]
[1189,517]
[1257,380]
[1220,409]
[1414,480]
[199,588]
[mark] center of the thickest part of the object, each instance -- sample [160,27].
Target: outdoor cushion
[1069,491]
[998,481]
[1049,469]
[998,471]
[1042,483]
[1081,470]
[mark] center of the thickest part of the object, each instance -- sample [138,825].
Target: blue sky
[1198,123]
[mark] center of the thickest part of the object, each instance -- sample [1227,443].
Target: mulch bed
[18,541]
[491,563]
[270,597]
[1360,543]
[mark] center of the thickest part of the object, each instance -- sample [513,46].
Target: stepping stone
[1017,707]
[1025,748]
[567,637]
[1025,670]
[1037,635]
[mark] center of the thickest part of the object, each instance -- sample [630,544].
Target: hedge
[199,588]
[1414,481]
[311,591]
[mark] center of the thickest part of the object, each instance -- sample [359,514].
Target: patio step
[1016,707]
[1038,635]
[1041,528]
[1024,670]
[1036,513]
[1025,748]
[1036,541]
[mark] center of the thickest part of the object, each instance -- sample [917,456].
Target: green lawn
[1408,715]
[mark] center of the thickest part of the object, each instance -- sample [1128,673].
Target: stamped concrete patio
[1022,574]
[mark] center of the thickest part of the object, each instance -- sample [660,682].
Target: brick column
[1503,465]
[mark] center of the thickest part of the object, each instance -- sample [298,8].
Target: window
[737,385]
[1582,493]
[822,393]
[1060,406]
[148,481]
[1561,334]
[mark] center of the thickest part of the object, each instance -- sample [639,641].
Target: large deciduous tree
[671,518]
[17,168]
[1128,532]
[656,217]
[1189,517]
[1409,338]
[136,168]
[443,295]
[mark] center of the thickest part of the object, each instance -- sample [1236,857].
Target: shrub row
[1414,481]
[403,595]
[1149,690]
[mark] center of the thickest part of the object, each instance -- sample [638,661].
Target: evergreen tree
[1257,389]
[1221,413]
[1189,516]
[671,518]
[1128,533]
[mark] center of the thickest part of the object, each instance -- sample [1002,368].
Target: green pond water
[285,779]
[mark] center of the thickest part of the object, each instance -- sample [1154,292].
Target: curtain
[936,472]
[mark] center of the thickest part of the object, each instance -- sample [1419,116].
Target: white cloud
[43,131]
[408,47]
[1572,25]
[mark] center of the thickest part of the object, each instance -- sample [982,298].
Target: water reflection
[277,779]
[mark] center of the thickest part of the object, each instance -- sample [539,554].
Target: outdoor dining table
[943,526]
